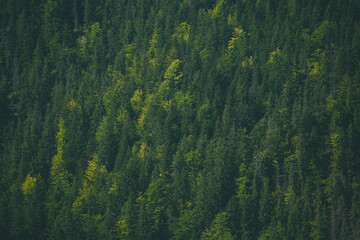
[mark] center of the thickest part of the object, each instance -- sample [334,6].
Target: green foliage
[172,72]
[29,185]
[209,119]
[218,229]
[59,173]
[182,32]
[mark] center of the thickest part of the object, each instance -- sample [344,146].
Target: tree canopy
[208,119]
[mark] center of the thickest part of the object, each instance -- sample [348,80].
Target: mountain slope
[180,120]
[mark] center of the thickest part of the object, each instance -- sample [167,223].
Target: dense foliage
[192,119]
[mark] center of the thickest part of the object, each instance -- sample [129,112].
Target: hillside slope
[155,119]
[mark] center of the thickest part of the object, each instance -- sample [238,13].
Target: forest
[180,120]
